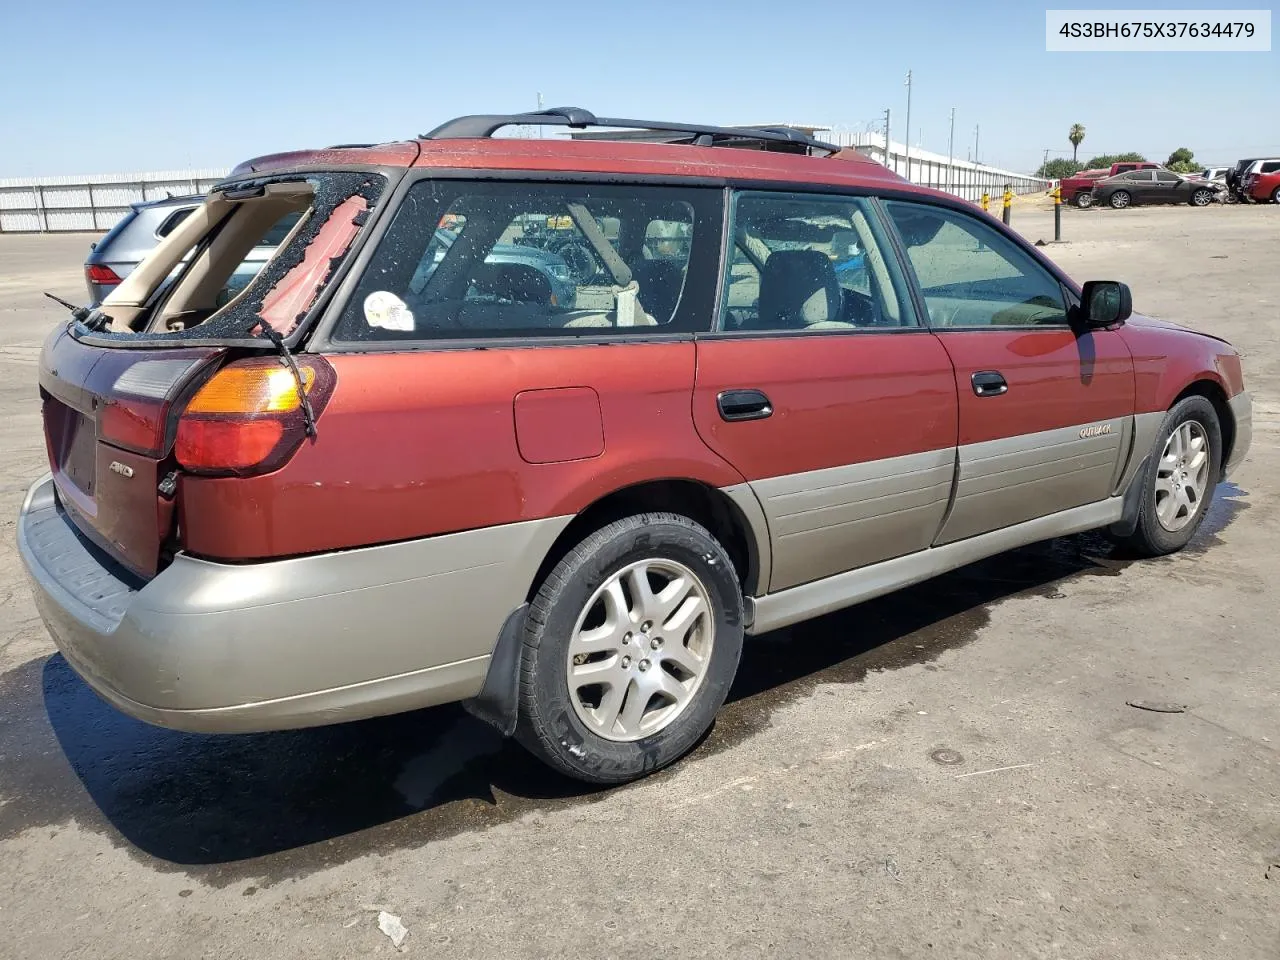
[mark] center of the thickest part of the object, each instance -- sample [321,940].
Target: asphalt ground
[949,771]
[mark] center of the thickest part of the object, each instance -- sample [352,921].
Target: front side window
[465,260]
[806,263]
[1165,177]
[972,275]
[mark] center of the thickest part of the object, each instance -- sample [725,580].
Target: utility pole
[976,128]
[951,143]
[539,110]
[886,139]
[908,124]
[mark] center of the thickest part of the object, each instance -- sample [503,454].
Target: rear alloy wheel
[1202,198]
[1083,200]
[1120,199]
[631,644]
[1275,195]
[1178,482]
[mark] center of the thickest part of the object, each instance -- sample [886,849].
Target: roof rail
[776,138]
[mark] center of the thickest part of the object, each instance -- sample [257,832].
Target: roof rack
[761,138]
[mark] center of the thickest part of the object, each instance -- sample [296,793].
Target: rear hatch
[109,424]
[125,397]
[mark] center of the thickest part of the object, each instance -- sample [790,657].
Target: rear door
[1142,185]
[1045,413]
[822,388]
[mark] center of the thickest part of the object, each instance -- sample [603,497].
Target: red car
[1265,187]
[393,472]
[1076,189]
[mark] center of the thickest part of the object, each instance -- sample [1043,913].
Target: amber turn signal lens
[248,418]
[251,390]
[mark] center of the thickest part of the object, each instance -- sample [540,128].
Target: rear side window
[1271,166]
[809,263]
[467,260]
[172,220]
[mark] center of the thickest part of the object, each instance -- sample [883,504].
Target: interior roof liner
[343,201]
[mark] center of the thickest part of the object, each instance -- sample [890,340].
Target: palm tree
[1076,136]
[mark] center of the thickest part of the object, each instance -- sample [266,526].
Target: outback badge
[121,468]
[1097,430]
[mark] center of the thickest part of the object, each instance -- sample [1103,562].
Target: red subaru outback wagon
[547,426]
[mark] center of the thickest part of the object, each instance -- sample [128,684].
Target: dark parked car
[1153,186]
[1235,177]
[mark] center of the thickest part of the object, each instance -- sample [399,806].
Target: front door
[1171,188]
[823,389]
[1045,412]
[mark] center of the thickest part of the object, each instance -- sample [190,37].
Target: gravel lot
[819,819]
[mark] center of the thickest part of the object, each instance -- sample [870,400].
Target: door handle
[737,405]
[989,383]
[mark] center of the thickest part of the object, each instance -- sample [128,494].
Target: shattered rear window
[285,289]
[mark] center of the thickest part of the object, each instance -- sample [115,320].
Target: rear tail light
[101,274]
[248,418]
[135,413]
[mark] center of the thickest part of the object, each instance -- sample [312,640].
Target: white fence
[95,203]
[961,177]
[90,203]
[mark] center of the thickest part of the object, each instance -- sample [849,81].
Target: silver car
[126,244]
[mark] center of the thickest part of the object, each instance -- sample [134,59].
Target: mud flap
[1128,521]
[497,702]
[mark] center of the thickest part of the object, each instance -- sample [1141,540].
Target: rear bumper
[223,648]
[1242,412]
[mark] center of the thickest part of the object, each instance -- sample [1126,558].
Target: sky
[142,86]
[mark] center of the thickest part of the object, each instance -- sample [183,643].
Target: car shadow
[261,805]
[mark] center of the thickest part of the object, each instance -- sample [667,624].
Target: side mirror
[1104,303]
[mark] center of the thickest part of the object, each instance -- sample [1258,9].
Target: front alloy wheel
[1202,198]
[1178,479]
[1182,476]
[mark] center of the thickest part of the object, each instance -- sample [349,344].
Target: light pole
[908,124]
[976,128]
[951,143]
[886,140]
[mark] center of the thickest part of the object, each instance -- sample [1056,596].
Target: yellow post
[1057,213]
[986,202]
[1008,203]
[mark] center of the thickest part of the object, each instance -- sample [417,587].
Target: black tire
[1275,195]
[549,724]
[1150,538]
[1201,198]
[1083,200]
[1120,199]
